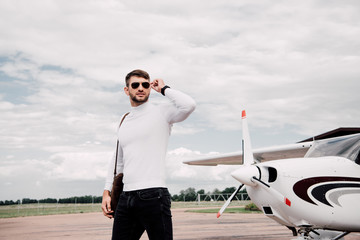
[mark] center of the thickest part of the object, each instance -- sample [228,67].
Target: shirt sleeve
[182,106]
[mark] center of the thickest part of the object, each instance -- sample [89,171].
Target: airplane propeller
[248,159]
[229,200]
[246,174]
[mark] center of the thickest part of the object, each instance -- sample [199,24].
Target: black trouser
[147,209]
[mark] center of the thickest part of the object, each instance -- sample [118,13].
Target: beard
[135,99]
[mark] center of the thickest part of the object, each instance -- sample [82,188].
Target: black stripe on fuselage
[301,187]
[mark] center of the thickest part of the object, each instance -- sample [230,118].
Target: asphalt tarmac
[94,226]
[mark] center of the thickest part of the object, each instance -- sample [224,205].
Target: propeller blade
[273,191]
[248,157]
[229,201]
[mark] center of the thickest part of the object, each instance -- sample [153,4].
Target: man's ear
[126,90]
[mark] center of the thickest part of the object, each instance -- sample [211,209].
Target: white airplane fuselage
[319,193]
[313,189]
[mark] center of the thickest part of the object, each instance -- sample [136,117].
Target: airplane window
[345,146]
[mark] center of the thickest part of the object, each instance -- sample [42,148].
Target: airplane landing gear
[318,234]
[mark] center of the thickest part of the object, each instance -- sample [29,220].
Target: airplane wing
[296,150]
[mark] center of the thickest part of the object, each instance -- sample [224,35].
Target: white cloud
[181,176]
[79,165]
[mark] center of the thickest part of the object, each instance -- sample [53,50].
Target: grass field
[46,209]
[23,210]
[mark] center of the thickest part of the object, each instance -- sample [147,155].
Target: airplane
[311,187]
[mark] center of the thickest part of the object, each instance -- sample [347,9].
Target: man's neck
[137,104]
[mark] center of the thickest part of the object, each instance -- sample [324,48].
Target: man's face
[139,90]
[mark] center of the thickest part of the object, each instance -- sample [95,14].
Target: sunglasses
[135,85]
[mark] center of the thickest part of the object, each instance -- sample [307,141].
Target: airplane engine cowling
[245,174]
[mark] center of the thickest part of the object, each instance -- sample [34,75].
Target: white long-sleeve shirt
[143,139]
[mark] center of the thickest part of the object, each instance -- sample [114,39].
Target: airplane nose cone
[245,173]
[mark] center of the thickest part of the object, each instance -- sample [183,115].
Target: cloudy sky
[294,65]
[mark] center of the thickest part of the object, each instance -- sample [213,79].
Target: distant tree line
[187,195]
[83,199]
[191,194]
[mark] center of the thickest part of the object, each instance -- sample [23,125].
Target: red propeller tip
[218,215]
[243,114]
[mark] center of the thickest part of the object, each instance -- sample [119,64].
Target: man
[143,138]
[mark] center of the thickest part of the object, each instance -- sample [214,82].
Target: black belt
[140,191]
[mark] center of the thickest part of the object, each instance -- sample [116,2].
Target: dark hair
[138,73]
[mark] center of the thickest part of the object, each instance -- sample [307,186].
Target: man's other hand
[106,204]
